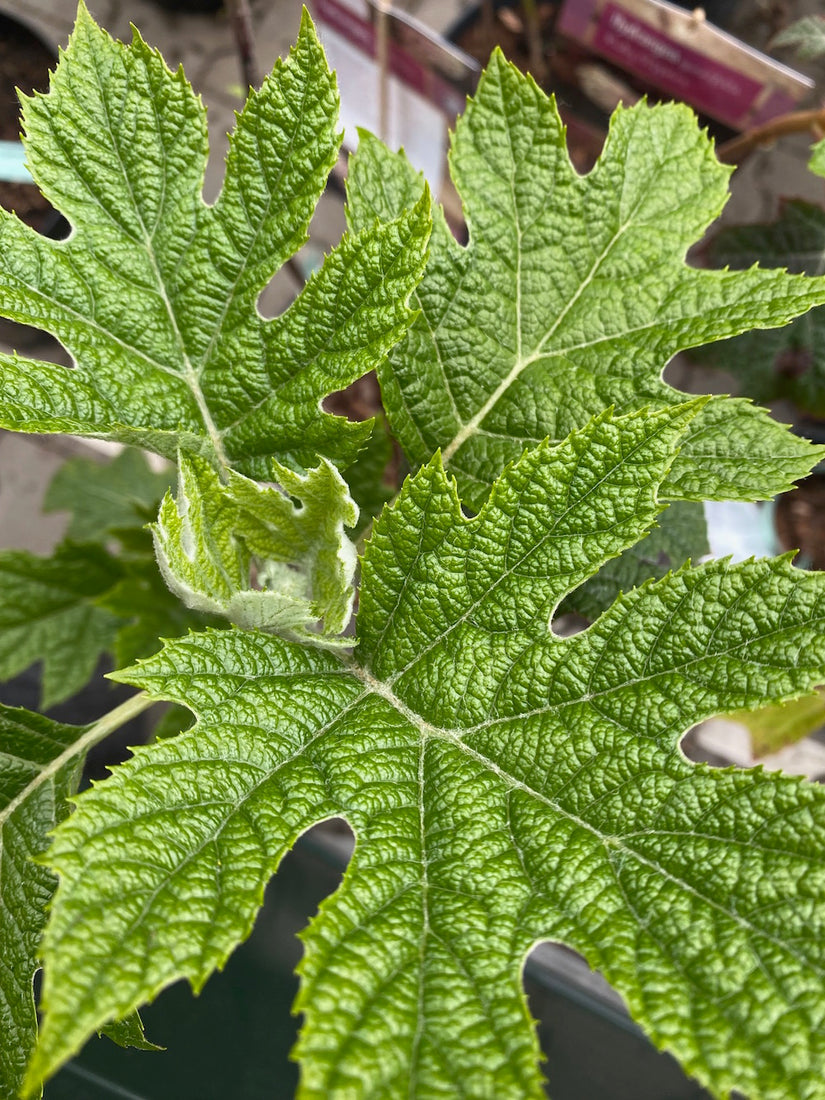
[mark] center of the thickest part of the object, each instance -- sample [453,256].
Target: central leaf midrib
[521,362]
[190,376]
[608,841]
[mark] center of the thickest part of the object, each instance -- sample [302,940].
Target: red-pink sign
[687,57]
[709,86]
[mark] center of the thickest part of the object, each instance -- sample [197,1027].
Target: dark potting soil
[25,62]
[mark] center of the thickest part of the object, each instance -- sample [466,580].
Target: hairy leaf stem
[96,733]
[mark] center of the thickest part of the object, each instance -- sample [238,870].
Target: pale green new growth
[214,536]
[155,292]
[806,36]
[573,294]
[504,785]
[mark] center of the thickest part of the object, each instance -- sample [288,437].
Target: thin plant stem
[795,122]
[241,19]
[96,733]
[535,46]
[382,57]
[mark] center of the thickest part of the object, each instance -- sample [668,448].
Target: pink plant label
[711,87]
[685,57]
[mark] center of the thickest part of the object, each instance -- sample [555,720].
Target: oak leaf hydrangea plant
[505,784]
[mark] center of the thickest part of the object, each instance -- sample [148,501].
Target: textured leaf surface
[209,538]
[573,294]
[106,497]
[680,534]
[788,362]
[504,785]
[31,803]
[155,292]
[817,161]
[49,612]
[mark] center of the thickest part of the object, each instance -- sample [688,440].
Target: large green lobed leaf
[155,293]
[505,786]
[573,294]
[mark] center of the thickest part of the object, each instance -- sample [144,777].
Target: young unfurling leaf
[213,535]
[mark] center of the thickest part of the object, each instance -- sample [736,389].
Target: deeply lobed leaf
[573,294]
[505,786]
[155,292]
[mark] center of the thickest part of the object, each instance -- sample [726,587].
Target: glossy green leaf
[573,294]
[262,558]
[155,292]
[504,785]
